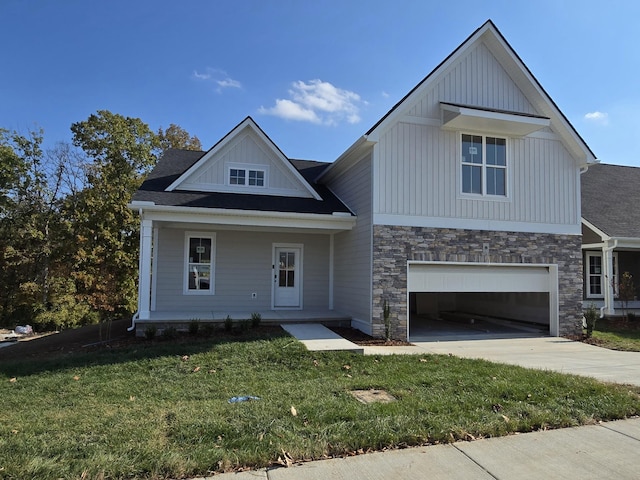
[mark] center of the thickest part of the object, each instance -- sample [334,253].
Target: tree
[177,137]
[103,229]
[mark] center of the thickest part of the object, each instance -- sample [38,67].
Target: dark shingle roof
[175,162]
[610,199]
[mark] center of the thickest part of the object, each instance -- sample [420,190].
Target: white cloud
[217,77]
[317,102]
[598,117]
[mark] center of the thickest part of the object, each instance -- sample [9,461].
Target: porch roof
[610,195]
[175,162]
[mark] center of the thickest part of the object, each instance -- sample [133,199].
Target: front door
[287,277]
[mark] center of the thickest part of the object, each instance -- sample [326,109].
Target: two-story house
[464,197]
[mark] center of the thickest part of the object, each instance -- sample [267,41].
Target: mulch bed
[364,340]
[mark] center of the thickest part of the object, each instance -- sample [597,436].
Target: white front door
[287,277]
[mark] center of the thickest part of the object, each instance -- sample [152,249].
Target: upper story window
[484,165]
[249,176]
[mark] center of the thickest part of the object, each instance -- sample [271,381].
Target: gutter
[133,322]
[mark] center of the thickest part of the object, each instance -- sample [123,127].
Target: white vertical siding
[420,169]
[352,257]
[242,266]
[246,149]
[418,164]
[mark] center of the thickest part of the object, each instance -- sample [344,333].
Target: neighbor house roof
[175,162]
[610,195]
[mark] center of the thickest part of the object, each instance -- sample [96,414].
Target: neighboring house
[610,234]
[464,197]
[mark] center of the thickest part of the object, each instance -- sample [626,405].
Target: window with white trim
[484,165]
[252,177]
[199,263]
[596,276]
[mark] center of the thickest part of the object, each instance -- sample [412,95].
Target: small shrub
[256,318]
[170,333]
[150,332]
[386,312]
[194,326]
[631,316]
[244,325]
[591,316]
[208,329]
[228,324]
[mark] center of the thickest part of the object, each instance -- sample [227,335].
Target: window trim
[484,167]
[212,265]
[603,283]
[247,169]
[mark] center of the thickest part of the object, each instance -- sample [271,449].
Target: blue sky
[315,75]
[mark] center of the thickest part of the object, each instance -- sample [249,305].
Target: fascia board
[337,221]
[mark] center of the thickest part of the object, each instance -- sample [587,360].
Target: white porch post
[144,275]
[607,266]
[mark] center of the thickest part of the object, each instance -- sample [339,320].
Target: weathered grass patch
[149,413]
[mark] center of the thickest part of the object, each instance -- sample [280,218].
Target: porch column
[144,275]
[608,287]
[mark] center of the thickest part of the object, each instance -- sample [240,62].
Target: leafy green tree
[177,137]
[105,232]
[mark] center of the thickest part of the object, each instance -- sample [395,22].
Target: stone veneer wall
[393,246]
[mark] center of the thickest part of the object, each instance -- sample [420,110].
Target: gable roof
[520,74]
[610,199]
[174,163]
[248,124]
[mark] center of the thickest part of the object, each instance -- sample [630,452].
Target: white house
[464,197]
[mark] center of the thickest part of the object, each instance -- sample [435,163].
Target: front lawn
[617,334]
[161,410]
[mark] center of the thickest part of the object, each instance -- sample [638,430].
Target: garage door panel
[478,278]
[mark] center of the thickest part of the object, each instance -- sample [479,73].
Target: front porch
[181,319]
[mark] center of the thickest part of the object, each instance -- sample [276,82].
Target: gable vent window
[251,177]
[484,165]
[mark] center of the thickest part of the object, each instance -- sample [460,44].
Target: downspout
[605,251]
[137,314]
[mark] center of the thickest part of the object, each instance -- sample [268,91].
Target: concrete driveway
[546,353]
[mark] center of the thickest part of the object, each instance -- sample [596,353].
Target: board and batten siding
[352,249]
[476,79]
[418,174]
[243,265]
[247,149]
[417,164]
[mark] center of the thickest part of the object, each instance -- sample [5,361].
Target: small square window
[256,178]
[237,176]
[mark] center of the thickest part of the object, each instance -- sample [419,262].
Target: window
[484,165]
[596,276]
[253,177]
[199,263]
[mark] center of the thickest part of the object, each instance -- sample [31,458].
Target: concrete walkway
[608,450]
[317,337]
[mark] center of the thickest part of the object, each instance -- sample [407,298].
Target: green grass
[144,412]
[617,336]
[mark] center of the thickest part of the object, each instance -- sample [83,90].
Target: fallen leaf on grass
[15,432]
[287,461]
[197,369]
[346,367]
[212,370]
[132,398]
[315,363]
[505,418]
[424,360]
[294,412]
[13,380]
[76,378]
[185,358]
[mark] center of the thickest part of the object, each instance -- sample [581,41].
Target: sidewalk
[607,450]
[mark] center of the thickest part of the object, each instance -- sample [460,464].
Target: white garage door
[468,277]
